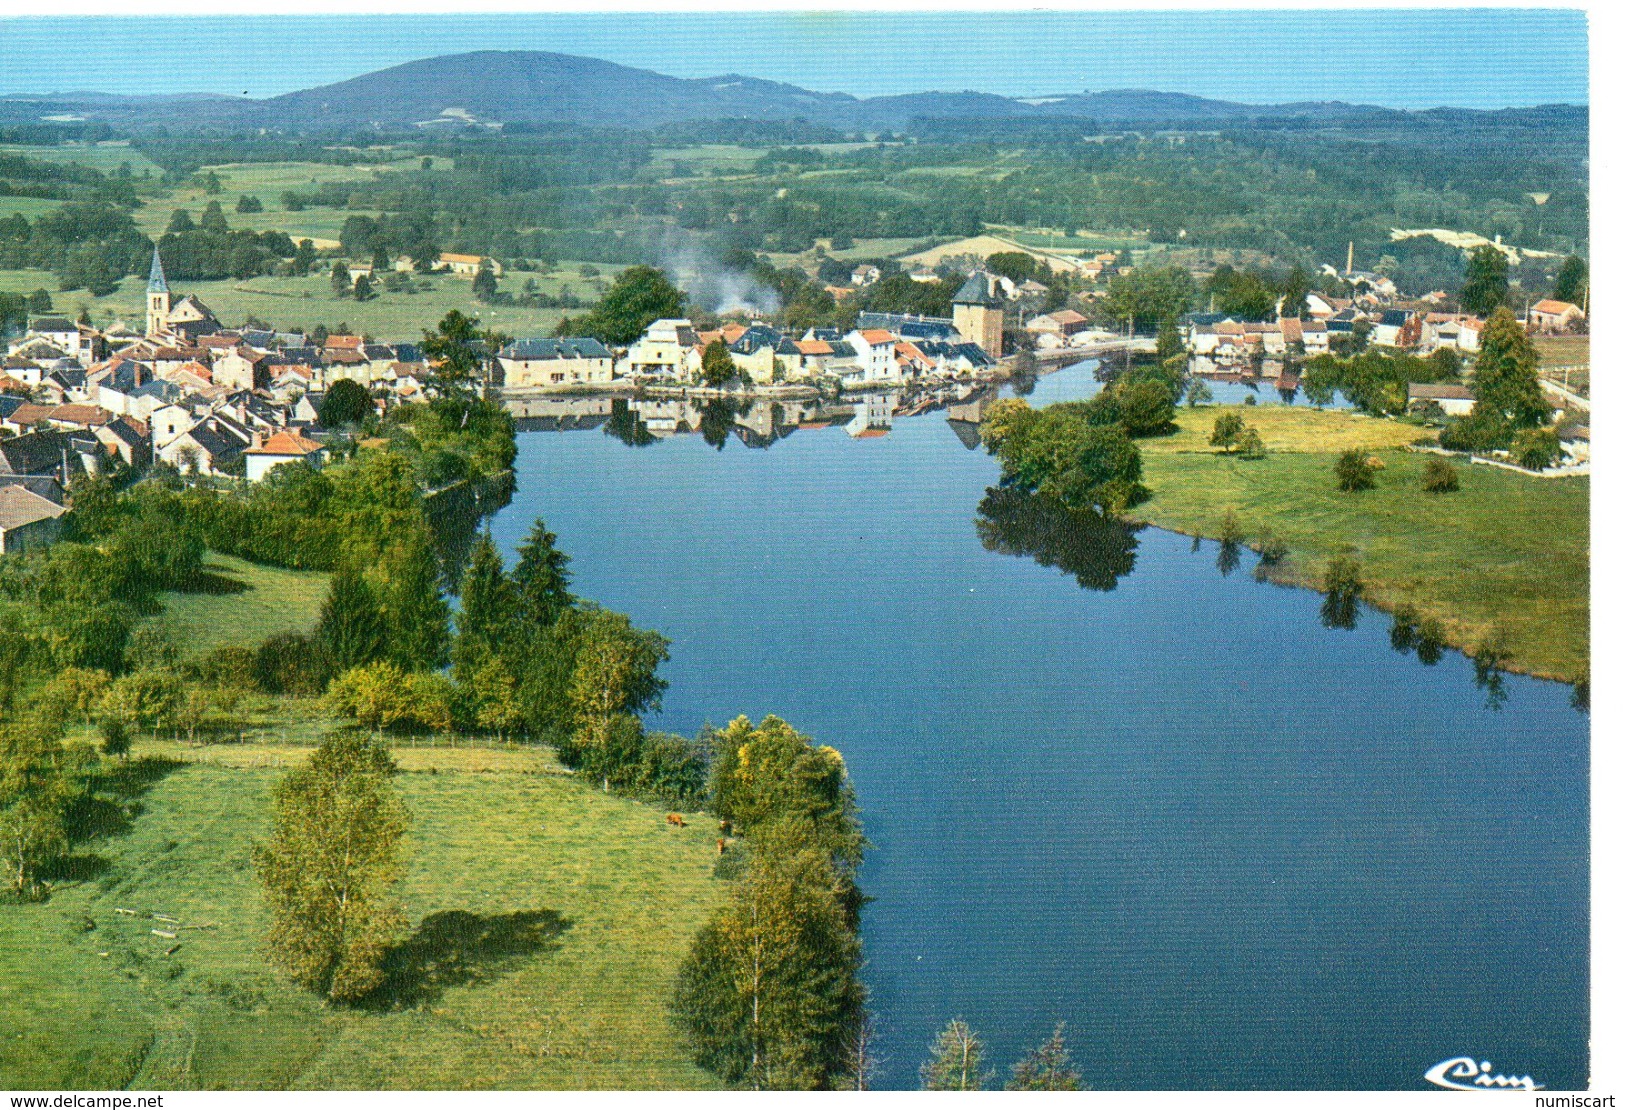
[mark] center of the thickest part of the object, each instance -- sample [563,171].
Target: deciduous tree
[1047,1067]
[769,994]
[329,866]
[1506,374]
[956,1061]
[36,789]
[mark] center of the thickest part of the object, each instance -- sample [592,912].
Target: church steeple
[155,279]
[157,298]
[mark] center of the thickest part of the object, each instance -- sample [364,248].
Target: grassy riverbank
[547,922]
[1506,554]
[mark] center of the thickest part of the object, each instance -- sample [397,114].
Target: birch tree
[328,870]
[956,1061]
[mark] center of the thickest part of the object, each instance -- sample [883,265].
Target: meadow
[546,924]
[303,303]
[245,603]
[546,919]
[1507,553]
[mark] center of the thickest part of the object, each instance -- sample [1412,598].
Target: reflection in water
[455,516]
[966,432]
[1022,385]
[717,421]
[1408,634]
[1580,696]
[1487,676]
[1094,550]
[625,425]
[1429,649]
[1340,609]
[1287,393]
[1229,557]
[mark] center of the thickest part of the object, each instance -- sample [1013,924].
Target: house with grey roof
[28,521]
[549,363]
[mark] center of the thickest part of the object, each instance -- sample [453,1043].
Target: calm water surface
[1228,846]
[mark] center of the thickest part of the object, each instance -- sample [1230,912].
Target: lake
[1106,782]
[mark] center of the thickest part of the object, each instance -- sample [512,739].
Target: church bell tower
[157,298]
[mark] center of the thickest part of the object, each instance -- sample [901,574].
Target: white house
[1314,336]
[283,447]
[63,334]
[667,349]
[876,351]
[467,265]
[1454,400]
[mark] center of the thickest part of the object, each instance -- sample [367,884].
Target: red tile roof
[286,443]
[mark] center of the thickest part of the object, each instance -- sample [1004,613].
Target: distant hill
[494,87]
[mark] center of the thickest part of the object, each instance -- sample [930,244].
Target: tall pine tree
[415,614]
[487,608]
[541,580]
[351,627]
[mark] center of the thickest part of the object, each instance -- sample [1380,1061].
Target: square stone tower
[978,316]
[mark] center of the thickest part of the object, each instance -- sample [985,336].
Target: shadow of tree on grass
[113,803]
[454,947]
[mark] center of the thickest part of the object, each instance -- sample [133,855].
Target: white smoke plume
[709,284]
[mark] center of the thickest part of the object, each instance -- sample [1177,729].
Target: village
[215,402]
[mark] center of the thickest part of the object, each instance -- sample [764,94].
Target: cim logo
[1463,1073]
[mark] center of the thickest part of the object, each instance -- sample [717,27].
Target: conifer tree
[488,607]
[1506,374]
[541,579]
[351,628]
[415,615]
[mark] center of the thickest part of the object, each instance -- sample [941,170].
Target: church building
[185,319]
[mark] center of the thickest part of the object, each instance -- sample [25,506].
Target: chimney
[258,440]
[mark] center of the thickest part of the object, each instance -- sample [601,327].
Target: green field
[547,921]
[30,207]
[105,157]
[1071,241]
[267,181]
[249,603]
[1507,551]
[546,918]
[295,303]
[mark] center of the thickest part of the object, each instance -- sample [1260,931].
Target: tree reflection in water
[625,425]
[1093,549]
[1341,609]
[717,421]
[1229,557]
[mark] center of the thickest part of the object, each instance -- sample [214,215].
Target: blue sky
[1479,58]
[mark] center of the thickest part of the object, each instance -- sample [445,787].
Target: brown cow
[722,846]
[676,819]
